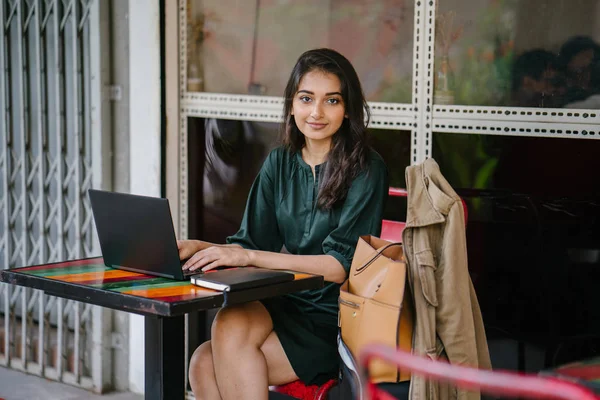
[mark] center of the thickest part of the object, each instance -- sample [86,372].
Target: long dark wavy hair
[349,149]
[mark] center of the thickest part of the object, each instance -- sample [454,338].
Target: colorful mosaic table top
[90,281]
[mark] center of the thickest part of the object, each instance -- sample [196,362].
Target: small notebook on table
[232,279]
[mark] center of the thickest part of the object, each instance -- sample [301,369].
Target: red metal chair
[392,230]
[500,383]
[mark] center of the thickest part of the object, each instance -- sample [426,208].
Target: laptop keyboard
[187,273]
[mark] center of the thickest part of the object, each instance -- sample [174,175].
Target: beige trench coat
[448,319]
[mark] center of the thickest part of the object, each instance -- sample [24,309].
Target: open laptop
[136,234]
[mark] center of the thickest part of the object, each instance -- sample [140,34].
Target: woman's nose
[317,111]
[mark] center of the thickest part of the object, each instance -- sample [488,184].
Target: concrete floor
[19,386]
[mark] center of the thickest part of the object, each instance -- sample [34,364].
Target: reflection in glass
[252,47]
[394,147]
[533,231]
[224,158]
[530,165]
[234,153]
[525,53]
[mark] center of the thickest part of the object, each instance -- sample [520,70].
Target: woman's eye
[304,99]
[333,101]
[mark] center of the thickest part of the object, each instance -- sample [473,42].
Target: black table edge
[150,307]
[280,289]
[105,298]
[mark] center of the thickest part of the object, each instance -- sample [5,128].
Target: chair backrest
[501,383]
[392,230]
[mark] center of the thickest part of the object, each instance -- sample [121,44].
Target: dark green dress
[281,212]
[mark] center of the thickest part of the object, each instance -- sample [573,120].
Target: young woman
[311,200]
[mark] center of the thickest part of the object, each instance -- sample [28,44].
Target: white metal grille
[46,92]
[420,94]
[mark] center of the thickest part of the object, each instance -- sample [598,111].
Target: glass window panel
[394,147]
[225,157]
[250,47]
[533,212]
[529,53]
[530,165]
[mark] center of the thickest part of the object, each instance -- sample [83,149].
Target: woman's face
[318,108]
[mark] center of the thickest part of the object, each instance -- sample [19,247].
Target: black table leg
[164,369]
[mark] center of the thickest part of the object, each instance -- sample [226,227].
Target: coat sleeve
[455,325]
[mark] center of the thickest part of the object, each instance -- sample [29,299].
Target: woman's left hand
[218,256]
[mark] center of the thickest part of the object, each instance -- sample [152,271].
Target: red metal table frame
[162,301]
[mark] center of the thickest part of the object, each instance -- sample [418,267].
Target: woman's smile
[317,125]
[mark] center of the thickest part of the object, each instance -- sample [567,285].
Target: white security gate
[49,129]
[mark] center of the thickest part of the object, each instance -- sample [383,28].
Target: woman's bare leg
[202,374]
[278,366]
[239,334]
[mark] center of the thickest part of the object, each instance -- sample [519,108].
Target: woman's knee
[200,363]
[241,325]
[230,324]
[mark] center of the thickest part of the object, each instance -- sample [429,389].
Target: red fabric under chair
[501,383]
[300,390]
